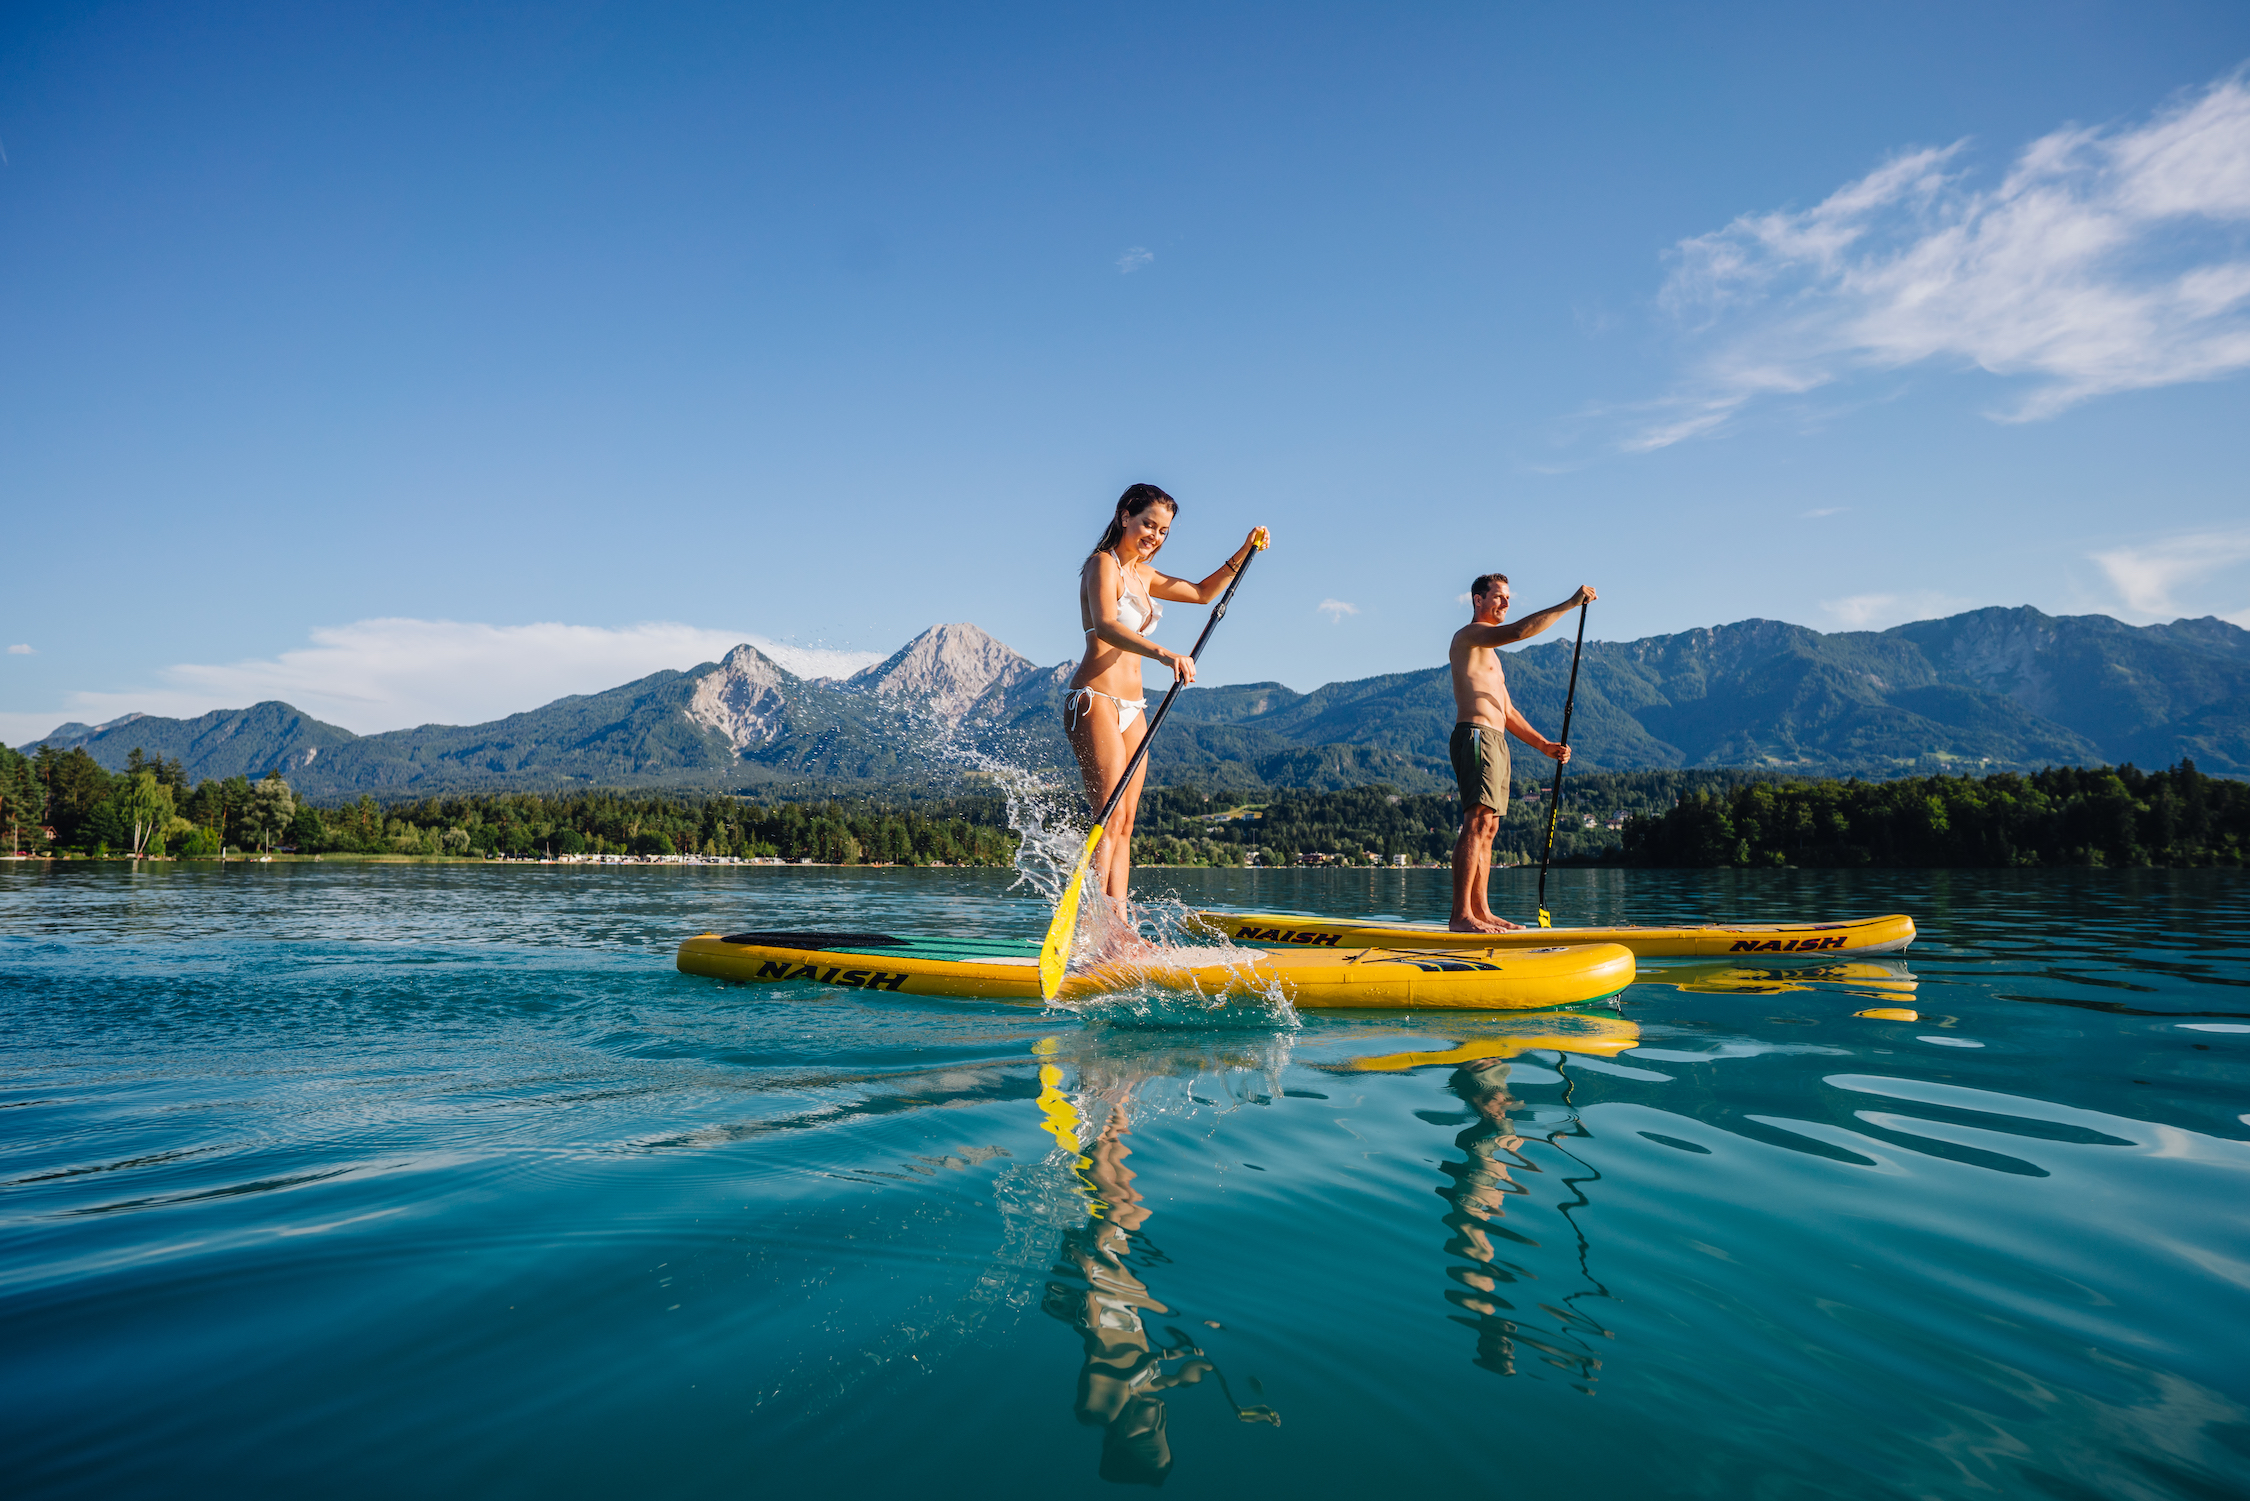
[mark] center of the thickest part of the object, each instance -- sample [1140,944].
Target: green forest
[149,810]
[65,803]
[2086,816]
[1377,824]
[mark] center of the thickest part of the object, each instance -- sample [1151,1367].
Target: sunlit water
[440,1181]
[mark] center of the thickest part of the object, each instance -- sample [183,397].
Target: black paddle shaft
[1218,613]
[1554,799]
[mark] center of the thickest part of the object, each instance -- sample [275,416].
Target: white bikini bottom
[1072,708]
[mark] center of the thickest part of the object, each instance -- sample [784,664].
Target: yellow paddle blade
[1060,1116]
[1054,954]
[1544,920]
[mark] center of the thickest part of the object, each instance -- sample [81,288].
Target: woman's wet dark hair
[1136,499]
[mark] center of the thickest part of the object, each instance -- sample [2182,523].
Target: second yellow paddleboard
[1866,935]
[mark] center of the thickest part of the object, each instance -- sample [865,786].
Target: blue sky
[427,363]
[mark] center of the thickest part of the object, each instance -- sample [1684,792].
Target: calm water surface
[373,1181]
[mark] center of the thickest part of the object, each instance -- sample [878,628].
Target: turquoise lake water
[374,1181]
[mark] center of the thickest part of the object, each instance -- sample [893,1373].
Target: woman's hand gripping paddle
[1554,799]
[1054,954]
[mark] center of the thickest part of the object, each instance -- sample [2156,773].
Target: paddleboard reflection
[1864,978]
[1097,1286]
[1493,1291]
[1513,1261]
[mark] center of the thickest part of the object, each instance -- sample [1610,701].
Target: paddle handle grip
[1140,754]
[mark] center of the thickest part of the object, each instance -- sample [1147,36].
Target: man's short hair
[1484,583]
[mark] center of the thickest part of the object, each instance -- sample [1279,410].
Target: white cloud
[1825,511]
[1336,610]
[2147,578]
[2108,259]
[1876,612]
[1133,259]
[19,651]
[392,674]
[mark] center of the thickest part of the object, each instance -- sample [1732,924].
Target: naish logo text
[1793,946]
[1285,935]
[858,979]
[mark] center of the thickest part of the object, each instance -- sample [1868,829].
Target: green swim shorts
[1480,766]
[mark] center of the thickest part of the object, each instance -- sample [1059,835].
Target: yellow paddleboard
[1359,977]
[1866,935]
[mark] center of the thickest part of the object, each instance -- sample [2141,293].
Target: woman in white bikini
[1104,711]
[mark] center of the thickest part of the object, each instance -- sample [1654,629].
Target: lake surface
[359,1180]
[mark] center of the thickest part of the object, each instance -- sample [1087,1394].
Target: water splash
[1149,951]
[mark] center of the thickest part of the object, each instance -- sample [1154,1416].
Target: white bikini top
[1139,615]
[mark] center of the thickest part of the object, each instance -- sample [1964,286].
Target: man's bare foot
[1477,925]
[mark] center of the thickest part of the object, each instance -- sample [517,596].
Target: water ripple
[373,1179]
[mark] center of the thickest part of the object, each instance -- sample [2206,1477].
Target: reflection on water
[1870,977]
[1499,1294]
[1098,1288]
[374,1182]
[1496,1166]
[1589,1032]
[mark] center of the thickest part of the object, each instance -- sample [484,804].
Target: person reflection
[1477,1199]
[1123,1370]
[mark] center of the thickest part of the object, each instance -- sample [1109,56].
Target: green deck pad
[887,946]
[952,950]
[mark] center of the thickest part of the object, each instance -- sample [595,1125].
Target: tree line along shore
[66,805]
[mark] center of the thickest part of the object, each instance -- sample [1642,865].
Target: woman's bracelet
[1232,566]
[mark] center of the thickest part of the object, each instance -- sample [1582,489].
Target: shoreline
[637,861]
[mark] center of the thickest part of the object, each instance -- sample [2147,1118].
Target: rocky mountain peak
[946,668]
[742,698]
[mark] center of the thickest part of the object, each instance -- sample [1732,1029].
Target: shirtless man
[1484,717]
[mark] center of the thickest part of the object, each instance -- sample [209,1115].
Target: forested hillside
[1378,824]
[150,810]
[2061,816]
[1990,690]
[1987,690]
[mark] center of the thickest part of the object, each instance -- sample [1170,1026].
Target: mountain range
[1990,689]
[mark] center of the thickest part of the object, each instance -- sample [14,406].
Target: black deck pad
[817,940]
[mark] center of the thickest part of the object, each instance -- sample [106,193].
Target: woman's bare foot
[1478,925]
[1124,945]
